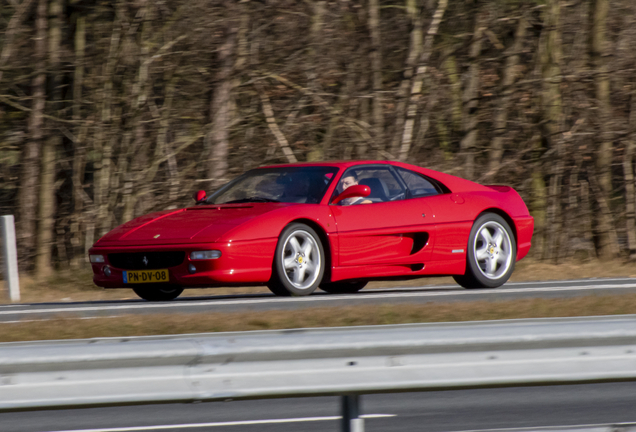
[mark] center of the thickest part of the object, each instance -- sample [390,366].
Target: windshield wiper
[250,199]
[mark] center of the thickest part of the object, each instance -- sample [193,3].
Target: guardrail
[348,362]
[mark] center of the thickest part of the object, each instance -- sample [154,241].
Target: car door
[452,222]
[389,229]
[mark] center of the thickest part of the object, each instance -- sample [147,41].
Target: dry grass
[166,324]
[77,285]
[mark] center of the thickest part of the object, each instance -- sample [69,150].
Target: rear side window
[419,186]
[383,182]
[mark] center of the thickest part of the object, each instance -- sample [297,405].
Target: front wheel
[158,293]
[492,253]
[298,262]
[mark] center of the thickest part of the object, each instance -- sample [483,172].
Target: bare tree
[28,194]
[598,52]
[418,77]
[218,139]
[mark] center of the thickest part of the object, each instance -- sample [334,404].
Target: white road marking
[604,427]
[549,282]
[368,295]
[48,319]
[217,424]
[574,281]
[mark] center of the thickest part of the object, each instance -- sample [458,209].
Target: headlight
[97,258]
[205,255]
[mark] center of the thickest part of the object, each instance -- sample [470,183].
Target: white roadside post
[10,258]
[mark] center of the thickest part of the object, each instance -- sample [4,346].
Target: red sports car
[333,225]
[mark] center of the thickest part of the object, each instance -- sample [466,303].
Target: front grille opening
[146,260]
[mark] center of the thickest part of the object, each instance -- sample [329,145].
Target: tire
[492,253]
[344,287]
[299,262]
[158,293]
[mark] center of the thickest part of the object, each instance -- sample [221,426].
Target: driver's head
[348,180]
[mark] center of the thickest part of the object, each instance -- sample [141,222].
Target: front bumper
[241,263]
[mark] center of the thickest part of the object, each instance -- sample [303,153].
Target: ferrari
[330,225]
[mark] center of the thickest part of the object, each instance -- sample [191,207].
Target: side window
[418,186]
[383,183]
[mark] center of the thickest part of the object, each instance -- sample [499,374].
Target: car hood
[201,224]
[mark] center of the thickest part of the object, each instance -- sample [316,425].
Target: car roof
[454,183]
[339,163]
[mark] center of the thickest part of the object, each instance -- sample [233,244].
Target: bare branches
[158,97]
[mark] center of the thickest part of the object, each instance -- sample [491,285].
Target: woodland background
[112,109]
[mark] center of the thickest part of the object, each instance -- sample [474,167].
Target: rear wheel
[344,287]
[298,262]
[157,292]
[492,253]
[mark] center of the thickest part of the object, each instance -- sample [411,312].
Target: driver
[347,181]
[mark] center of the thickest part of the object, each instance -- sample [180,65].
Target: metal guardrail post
[351,421]
[10,258]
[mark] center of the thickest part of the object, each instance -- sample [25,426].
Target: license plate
[146,276]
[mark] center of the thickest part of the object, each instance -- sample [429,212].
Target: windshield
[287,184]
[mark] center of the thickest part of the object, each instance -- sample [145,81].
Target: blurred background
[113,109]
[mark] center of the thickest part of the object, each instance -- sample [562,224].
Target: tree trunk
[79,145]
[363,104]
[103,144]
[470,114]
[604,208]
[29,176]
[163,145]
[551,101]
[603,157]
[538,203]
[418,79]
[376,67]
[457,104]
[319,8]
[628,171]
[140,91]
[9,34]
[501,115]
[43,264]
[46,210]
[218,138]
[415,47]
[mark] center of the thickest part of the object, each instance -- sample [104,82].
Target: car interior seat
[379,190]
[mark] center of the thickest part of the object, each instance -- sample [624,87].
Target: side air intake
[420,239]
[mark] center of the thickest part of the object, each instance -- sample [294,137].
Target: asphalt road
[234,303]
[459,410]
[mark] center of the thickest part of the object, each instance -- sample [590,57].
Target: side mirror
[353,191]
[199,196]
